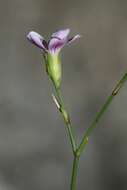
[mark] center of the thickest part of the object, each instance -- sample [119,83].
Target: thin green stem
[65,114]
[72,138]
[100,114]
[66,117]
[74,173]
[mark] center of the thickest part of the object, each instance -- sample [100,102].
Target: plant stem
[100,114]
[74,173]
[66,117]
[71,137]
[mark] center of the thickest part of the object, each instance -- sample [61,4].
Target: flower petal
[37,39]
[70,40]
[55,45]
[58,40]
[61,34]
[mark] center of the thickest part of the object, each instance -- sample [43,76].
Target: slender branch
[74,172]
[60,105]
[100,114]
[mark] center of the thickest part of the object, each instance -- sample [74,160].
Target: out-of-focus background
[34,149]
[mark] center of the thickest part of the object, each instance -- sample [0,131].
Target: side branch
[100,113]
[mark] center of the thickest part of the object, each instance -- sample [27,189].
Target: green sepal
[53,68]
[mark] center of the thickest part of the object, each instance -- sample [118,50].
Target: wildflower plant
[51,51]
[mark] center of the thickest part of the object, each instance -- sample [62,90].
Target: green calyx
[53,68]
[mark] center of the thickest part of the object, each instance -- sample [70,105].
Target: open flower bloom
[51,51]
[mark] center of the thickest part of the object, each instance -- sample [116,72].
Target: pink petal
[70,40]
[55,45]
[61,34]
[37,39]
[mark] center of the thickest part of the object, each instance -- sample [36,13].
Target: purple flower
[57,41]
[51,51]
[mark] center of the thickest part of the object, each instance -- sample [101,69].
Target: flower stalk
[66,117]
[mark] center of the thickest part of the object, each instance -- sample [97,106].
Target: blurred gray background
[35,152]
